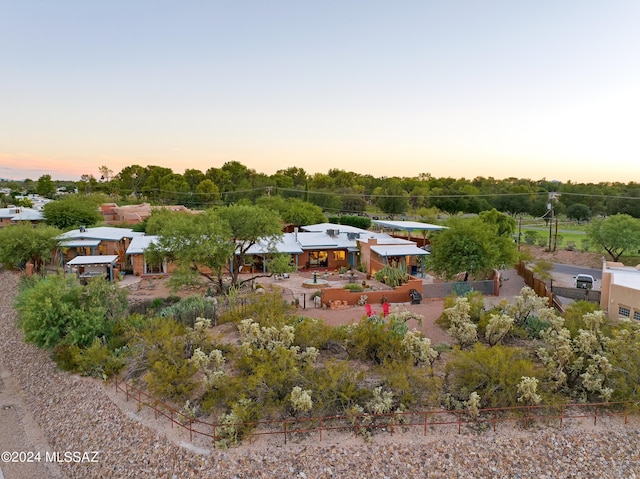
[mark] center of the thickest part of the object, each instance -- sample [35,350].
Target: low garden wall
[397,295]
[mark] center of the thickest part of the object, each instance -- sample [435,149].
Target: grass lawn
[568,232]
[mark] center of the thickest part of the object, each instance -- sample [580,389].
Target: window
[636,315]
[339,255]
[318,259]
[624,311]
[150,268]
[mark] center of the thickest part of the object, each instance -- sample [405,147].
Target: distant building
[133,214]
[18,214]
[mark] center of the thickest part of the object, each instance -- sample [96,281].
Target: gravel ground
[76,414]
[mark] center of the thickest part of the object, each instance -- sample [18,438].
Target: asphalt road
[575,270]
[564,275]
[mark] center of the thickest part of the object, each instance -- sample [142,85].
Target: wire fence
[394,422]
[459,288]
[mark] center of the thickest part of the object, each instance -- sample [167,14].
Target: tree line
[341,191]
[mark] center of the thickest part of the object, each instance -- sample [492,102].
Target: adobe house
[102,240]
[15,214]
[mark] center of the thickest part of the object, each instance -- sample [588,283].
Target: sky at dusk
[527,89]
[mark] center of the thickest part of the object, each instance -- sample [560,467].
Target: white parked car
[584,281]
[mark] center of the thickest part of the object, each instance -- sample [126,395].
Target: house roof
[408,225]
[384,238]
[98,259]
[9,212]
[140,243]
[626,276]
[324,227]
[400,250]
[285,244]
[80,243]
[107,233]
[28,214]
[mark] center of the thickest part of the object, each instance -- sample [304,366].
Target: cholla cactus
[406,315]
[594,377]
[497,328]
[310,354]
[462,328]
[528,390]
[265,337]
[211,365]
[419,347]
[200,330]
[190,410]
[595,320]
[473,405]
[526,303]
[301,399]
[363,300]
[381,402]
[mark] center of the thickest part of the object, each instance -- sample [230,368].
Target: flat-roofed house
[620,290]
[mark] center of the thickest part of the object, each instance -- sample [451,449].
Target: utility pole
[519,230]
[550,207]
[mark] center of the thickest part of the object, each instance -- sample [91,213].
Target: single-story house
[17,214]
[322,246]
[102,240]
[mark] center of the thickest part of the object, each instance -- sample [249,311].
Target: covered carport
[85,267]
[408,226]
[399,256]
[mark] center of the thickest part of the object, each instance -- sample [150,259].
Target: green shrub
[55,309]
[530,237]
[237,423]
[585,245]
[362,222]
[624,355]
[159,350]
[189,308]
[336,387]
[354,287]
[534,326]
[410,385]
[373,339]
[170,380]
[312,332]
[492,372]
[392,277]
[269,308]
[574,313]
[98,360]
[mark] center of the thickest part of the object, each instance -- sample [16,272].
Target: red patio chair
[385,309]
[367,308]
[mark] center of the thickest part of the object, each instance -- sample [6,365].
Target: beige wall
[614,296]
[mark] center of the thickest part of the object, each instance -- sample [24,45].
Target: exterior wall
[398,295]
[365,256]
[614,296]
[622,296]
[138,265]
[332,262]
